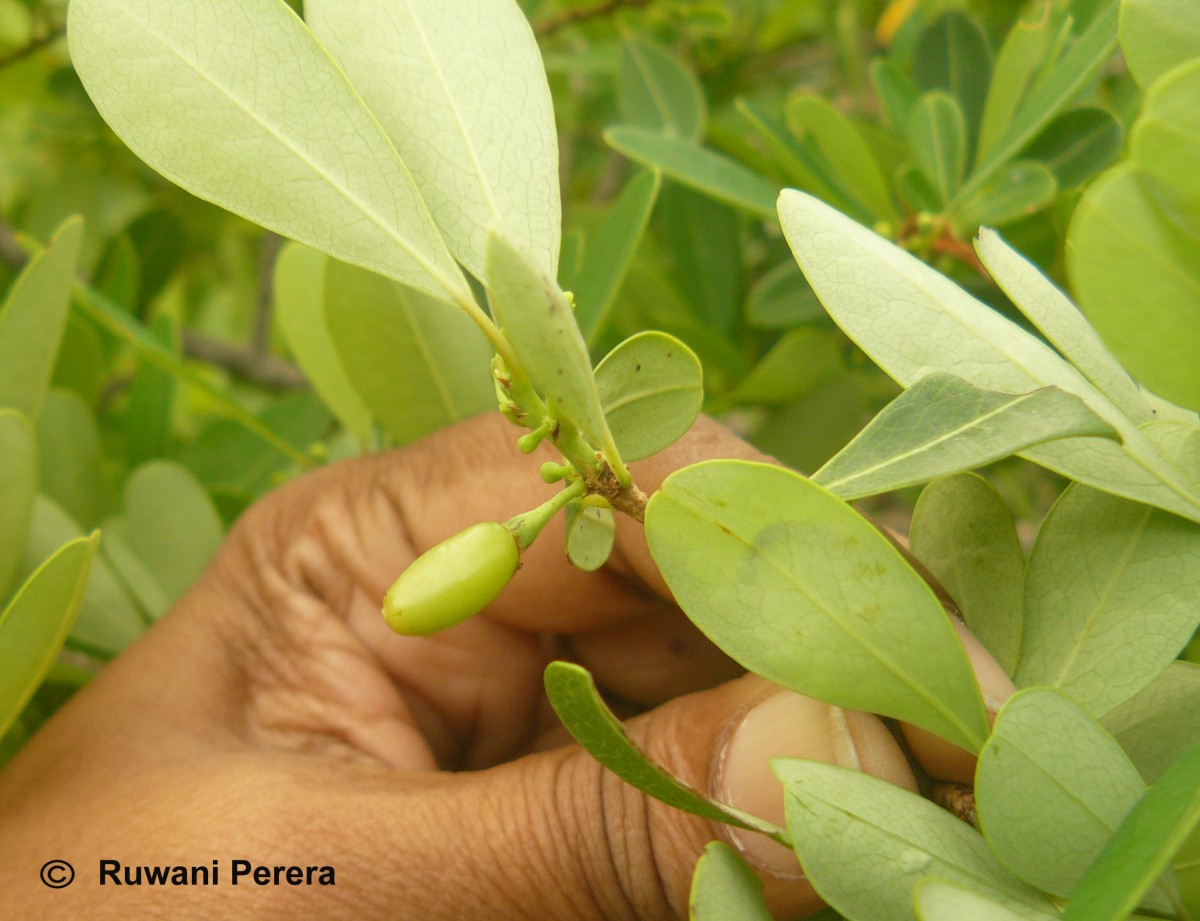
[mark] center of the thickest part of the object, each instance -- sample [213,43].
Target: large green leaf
[18,489]
[537,319]
[1165,143]
[656,90]
[32,319]
[1110,597]
[937,137]
[573,695]
[300,293]
[651,387]
[796,586]
[1077,144]
[698,167]
[864,844]
[1157,35]
[36,622]
[964,534]
[277,136]
[1143,846]
[1160,722]
[942,424]
[952,54]
[1051,787]
[724,888]
[938,900]
[459,87]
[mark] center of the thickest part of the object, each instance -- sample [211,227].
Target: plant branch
[32,47]
[574,16]
[262,369]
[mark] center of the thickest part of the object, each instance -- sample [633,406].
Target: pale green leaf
[36,622]
[273,129]
[590,535]
[573,695]
[942,424]
[1061,323]
[1165,143]
[865,843]
[938,139]
[460,89]
[18,489]
[1160,722]
[1135,858]
[964,534]
[130,569]
[1157,35]
[657,90]
[32,319]
[651,387]
[299,291]
[698,167]
[724,888]
[71,457]
[1051,787]
[1017,191]
[537,319]
[1022,54]
[938,900]
[799,588]
[1112,594]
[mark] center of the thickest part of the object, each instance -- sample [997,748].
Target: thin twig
[33,47]
[264,370]
[573,16]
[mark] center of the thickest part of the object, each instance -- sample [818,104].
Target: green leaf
[896,92]
[651,387]
[1017,191]
[1051,787]
[71,459]
[964,534]
[724,888]
[150,403]
[537,319]
[1157,35]
[864,844]
[861,279]
[953,54]
[937,136]
[590,534]
[18,489]
[1160,722]
[852,164]
[1123,250]
[1021,56]
[1061,83]
[657,90]
[1110,597]
[610,251]
[916,190]
[300,291]
[697,167]
[416,364]
[1060,321]
[795,364]
[1078,144]
[782,298]
[702,239]
[36,622]
[941,425]
[173,525]
[280,138]
[1142,847]
[574,697]
[799,588]
[131,570]
[32,319]
[938,900]
[1165,143]
[798,160]
[460,89]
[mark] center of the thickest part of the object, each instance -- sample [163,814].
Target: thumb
[576,843]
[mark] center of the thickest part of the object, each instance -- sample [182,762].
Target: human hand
[271,716]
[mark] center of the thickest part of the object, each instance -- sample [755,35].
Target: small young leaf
[32,319]
[1110,597]
[698,167]
[964,534]
[574,697]
[36,622]
[651,387]
[937,137]
[1156,35]
[1015,192]
[1165,141]
[1077,144]
[916,190]
[459,87]
[1022,54]
[724,888]
[18,489]
[610,251]
[942,424]
[953,55]
[799,588]
[1051,787]
[590,534]
[782,298]
[939,900]
[537,319]
[1142,847]
[864,844]
[657,90]
[1160,722]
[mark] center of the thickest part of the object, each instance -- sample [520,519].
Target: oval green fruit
[452,581]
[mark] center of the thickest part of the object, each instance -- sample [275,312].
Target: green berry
[452,581]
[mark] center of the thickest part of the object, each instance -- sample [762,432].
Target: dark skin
[272,716]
